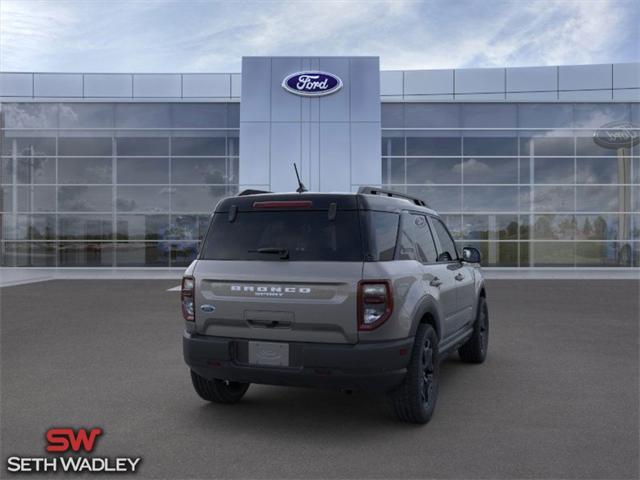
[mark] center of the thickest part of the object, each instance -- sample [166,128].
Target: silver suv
[361,291]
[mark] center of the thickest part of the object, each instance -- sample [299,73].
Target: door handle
[459,277]
[435,282]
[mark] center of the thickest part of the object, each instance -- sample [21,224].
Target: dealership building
[536,167]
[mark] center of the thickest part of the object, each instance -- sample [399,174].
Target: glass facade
[133,184]
[112,184]
[524,183]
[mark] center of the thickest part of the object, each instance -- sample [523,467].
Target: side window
[447,244]
[424,241]
[384,232]
[416,242]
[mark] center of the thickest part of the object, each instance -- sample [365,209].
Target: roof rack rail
[391,193]
[251,191]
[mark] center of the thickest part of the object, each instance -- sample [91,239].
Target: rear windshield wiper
[283,252]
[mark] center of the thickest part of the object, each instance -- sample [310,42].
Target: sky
[212,36]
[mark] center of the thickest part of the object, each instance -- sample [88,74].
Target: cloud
[173,36]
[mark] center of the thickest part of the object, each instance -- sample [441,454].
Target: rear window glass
[304,235]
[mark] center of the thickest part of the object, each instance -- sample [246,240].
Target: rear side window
[304,235]
[447,244]
[416,242]
[383,235]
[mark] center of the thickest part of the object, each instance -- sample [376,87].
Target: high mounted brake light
[284,204]
[187,298]
[375,303]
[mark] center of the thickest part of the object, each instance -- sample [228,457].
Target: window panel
[199,170]
[143,146]
[30,115]
[434,170]
[490,146]
[86,254]
[601,198]
[36,199]
[490,170]
[29,254]
[429,115]
[604,226]
[85,146]
[585,146]
[392,145]
[199,115]
[36,170]
[603,170]
[143,199]
[6,170]
[552,254]
[197,199]
[86,115]
[393,170]
[549,199]
[553,170]
[546,146]
[85,199]
[454,224]
[85,227]
[198,146]
[29,227]
[188,227]
[595,115]
[183,253]
[447,244]
[29,146]
[142,254]
[432,146]
[84,170]
[490,199]
[490,227]
[143,170]
[442,199]
[604,254]
[142,227]
[142,115]
[554,227]
[545,115]
[392,115]
[499,115]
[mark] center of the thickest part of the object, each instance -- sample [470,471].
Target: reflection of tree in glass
[599,228]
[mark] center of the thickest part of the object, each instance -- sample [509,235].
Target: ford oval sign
[312,83]
[617,135]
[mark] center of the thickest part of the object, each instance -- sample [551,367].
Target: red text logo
[65,439]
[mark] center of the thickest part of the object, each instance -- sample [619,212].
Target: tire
[475,349]
[218,391]
[415,399]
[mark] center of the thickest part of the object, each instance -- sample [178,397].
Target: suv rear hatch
[282,268]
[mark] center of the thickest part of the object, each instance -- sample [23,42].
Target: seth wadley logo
[312,83]
[68,440]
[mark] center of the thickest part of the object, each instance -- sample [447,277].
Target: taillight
[375,303]
[187,298]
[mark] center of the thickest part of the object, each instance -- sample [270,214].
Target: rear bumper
[374,366]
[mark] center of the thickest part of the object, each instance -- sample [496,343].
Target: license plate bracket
[269,353]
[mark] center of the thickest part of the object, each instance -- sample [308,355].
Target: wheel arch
[429,313]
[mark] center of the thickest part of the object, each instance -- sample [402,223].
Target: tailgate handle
[269,323]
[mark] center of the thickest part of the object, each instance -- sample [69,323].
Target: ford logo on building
[312,83]
[617,135]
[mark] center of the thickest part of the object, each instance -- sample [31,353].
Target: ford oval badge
[312,83]
[208,308]
[617,135]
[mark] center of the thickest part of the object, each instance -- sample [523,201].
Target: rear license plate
[269,353]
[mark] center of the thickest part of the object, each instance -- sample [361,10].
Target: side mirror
[471,255]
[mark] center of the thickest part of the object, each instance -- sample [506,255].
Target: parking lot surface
[558,396]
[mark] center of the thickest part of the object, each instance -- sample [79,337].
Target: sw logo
[65,439]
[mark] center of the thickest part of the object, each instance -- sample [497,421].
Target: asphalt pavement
[558,396]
